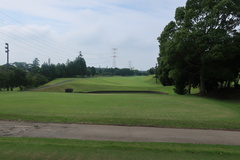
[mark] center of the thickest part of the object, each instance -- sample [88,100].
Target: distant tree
[126,72]
[81,66]
[36,80]
[36,62]
[35,66]
[19,78]
[12,77]
[61,68]
[93,71]
[49,71]
[77,67]
[21,65]
[151,70]
[70,69]
[89,73]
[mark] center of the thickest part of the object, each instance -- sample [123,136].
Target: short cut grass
[121,109]
[61,149]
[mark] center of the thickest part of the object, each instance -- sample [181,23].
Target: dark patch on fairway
[225,94]
[102,92]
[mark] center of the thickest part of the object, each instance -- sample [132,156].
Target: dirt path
[118,133]
[35,89]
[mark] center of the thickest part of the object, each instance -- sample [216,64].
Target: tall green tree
[80,67]
[35,66]
[164,59]
[11,77]
[62,70]
[50,71]
[93,71]
[200,43]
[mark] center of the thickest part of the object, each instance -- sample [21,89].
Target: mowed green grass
[60,149]
[118,109]
[136,83]
[121,109]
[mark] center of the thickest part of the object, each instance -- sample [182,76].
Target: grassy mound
[135,83]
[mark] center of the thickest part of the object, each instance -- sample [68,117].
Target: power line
[42,45]
[37,45]
[29,46]
[55,43]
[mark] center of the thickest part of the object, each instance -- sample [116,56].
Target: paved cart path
[118,133]
[35,89]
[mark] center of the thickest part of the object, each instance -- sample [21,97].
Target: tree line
[24,75]
[201,48]
[120,72]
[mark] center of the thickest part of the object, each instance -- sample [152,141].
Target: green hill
[135,83]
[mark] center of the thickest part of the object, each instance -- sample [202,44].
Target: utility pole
[156,73]
[7,51]
[114,57]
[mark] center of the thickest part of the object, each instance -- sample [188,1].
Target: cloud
[92,26]
[29,42]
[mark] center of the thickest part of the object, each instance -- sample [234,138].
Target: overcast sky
[59,29]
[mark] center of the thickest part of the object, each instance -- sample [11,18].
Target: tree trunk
[189,86]
[228,84]
[236,85]
[8,86]
[202,83]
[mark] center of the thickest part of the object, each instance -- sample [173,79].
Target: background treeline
[201,48]
[24,75]
[120,72]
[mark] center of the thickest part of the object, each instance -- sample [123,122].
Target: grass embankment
[36,148]
[135,83]
[121,109]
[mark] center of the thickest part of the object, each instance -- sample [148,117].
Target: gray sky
[59,29]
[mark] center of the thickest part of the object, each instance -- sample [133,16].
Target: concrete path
[35,89]
[118,133]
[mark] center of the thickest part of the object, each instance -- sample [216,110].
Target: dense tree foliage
[152,70]
[119,72]
[11,77]
[23,75]
[201,48]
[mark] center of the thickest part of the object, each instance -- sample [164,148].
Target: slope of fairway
[121,109]
[136,83]
[60,149]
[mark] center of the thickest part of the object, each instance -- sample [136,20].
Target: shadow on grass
[104,92]
[224,94]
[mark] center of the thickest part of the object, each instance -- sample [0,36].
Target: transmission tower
[114,57]
[130,65]
[80,54]
[49,61]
